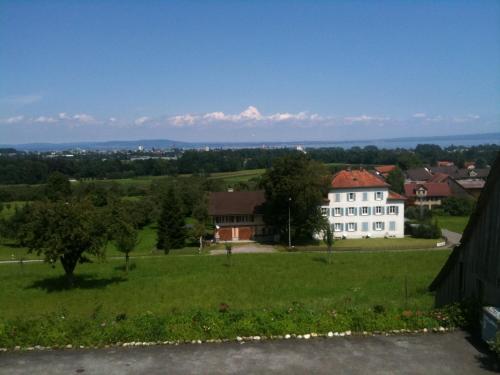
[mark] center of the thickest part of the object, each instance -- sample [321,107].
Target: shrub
[427,230]
[456,206]
[413,213]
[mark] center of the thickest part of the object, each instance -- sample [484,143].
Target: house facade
[238,216]
[360,205]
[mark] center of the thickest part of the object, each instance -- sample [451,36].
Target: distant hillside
[389,143]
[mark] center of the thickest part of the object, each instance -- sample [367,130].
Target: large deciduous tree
[171,225]
[58,187]
[299,183]
[65,231]
[396,179]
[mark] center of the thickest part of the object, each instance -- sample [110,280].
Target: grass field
[167,284]
[453,223]
[376,244]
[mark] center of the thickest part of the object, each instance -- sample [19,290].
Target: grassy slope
[165,284]
[453,223]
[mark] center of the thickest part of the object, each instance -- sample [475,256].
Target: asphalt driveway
[451,353]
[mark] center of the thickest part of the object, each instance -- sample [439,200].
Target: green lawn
[166,284]
[453,223]
[407,243]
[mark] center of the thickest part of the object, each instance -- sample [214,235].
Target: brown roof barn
[236,202]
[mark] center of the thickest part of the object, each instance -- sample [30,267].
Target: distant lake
[443,141]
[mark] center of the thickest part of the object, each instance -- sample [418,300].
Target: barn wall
[480,256]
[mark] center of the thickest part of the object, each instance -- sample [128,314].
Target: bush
[427,230]
[458,206]
[413,213]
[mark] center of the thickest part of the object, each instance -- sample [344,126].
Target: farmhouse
[238,216]
[360,204]
[473,268]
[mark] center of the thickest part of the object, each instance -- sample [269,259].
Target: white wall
[359,219]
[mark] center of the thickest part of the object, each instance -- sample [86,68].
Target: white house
[360,204]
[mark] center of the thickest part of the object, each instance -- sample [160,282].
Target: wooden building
[238,216]
[473,268]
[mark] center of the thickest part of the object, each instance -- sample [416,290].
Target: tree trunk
[127,257]
[69,265]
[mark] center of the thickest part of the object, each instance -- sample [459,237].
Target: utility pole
[289,225]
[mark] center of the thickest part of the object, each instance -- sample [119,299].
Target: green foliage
[171,224]
[98,330]
[64,231]
[396,179]
[299,183]
[495,345]
[123,233]
[427,230]
[413,213]
[58,187]
[457,206]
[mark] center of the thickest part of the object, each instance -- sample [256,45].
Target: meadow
[453,223]
[176,284]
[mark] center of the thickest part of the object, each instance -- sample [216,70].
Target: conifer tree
[171,230]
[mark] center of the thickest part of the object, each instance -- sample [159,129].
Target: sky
[221,71]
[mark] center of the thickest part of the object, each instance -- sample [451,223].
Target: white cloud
[248,116]
[141,120]
[419,115]
[83,118]
[365,118]
[63,116]
[12,120]
[112,119]
[45,119]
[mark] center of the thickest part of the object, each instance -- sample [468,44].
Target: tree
[329,242]
[298,185]
[396,179]
[171,226]
[458,206]
[125,236]
[58,187]
[66,232]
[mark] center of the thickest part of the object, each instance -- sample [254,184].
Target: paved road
[452,238]
[246,249]
[450,353]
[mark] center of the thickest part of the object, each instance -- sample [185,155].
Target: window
[351,211]
[325,211]
[338,227]
[392,225]
[337,197]
[392,210]
[365,211]
[351,197]
[337,211]
[364,226]
[365,196]
[351,227]
[378,225]
[379,210]
[379,195]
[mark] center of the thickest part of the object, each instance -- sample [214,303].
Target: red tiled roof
[236,203]
[439,177]
[356,179]
[393,196]
[385,168]
[434,189]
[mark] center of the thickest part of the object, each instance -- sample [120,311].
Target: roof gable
[236,203]
[356,179]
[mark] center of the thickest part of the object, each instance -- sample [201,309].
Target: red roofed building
[384,170]
[435,192]
[238,216]
[360,204]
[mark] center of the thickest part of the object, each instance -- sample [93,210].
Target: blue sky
[247,70]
